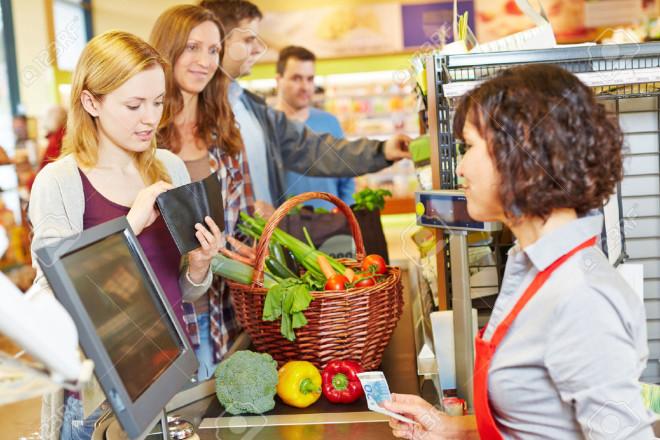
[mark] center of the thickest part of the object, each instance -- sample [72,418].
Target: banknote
[377,391]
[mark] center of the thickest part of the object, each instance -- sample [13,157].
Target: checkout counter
[322,420]
[102,253]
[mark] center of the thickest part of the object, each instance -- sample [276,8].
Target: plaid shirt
[237,195]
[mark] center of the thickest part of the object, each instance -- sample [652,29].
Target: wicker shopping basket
[353,324]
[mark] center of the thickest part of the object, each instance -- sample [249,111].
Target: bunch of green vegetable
[287,301]
[315,209]
[246,382]
[371,200]
[288,293]
[303,252]
[237,271]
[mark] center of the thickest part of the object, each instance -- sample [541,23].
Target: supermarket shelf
[591,79]
[406,94]
[379,136]
[399,205]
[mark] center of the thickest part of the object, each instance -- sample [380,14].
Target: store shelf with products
[17,172]
[400,180]
[368,104]
[372,104]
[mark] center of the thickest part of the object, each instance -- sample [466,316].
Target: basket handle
[262,246]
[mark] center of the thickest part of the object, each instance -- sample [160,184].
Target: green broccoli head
[246,382]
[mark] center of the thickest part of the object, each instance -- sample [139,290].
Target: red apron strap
[536,284]
[486,424]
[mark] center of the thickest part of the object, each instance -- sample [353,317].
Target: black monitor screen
[126,314]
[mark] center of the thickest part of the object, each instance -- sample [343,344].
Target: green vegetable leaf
[308,238]
[287,303]
[286,328]
[315,282]
[273,303]
[288,300]
[370,200]
[301,298]
[299,320]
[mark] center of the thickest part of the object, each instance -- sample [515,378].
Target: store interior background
[42,84]
[367,84]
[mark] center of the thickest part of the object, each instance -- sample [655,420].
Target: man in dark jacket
[275,143]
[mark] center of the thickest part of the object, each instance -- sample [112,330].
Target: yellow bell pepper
[299,384]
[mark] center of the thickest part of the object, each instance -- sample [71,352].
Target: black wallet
[186,205]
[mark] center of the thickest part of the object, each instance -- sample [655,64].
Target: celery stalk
[305,254]
[237,271]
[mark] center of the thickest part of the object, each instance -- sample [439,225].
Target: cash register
[125,324]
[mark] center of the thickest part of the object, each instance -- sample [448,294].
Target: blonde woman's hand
[144,212]
[431,423]
[210,240]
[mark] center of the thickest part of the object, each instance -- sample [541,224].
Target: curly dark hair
[553,144]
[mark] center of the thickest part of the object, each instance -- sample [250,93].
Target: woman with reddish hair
[198,125]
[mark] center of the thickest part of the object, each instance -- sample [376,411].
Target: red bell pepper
[340,381]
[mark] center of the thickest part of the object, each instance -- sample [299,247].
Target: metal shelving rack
[617,74]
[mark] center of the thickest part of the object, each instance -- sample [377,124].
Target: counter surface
[333,431]
[322,420]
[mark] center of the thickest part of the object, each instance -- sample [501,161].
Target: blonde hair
[107,62]
[215,119]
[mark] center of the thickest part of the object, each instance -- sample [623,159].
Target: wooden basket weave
[352,324]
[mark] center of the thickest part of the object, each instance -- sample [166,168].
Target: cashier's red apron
[486,349]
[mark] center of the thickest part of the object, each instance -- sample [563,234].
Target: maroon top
[156,241]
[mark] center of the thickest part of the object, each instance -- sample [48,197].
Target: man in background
[275,144]
[296,68]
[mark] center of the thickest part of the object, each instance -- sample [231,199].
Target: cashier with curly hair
[566,343]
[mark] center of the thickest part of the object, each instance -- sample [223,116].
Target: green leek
[237,271]
[304,253]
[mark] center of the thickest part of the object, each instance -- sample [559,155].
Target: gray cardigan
[57,205]
[56,209]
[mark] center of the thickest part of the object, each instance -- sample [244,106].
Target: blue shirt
[255,144]
[320,121]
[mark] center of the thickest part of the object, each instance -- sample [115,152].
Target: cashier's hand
[396,148]
[432,423]
[144,212]
[210,240]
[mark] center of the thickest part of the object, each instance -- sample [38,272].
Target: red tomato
[364,280]
[336,282]
[375,261]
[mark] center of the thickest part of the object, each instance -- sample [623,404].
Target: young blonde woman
[199,126]
[110,167]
